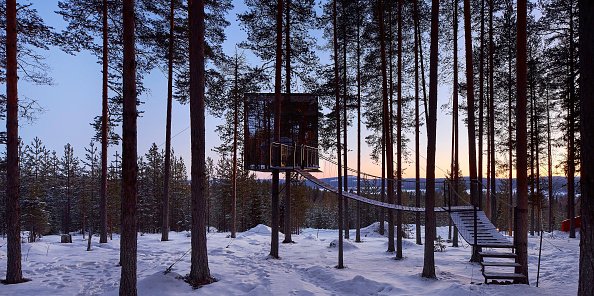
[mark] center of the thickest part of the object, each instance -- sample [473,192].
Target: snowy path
[305,268]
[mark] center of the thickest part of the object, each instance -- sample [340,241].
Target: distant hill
[408,184]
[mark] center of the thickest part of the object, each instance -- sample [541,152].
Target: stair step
[503,276]
[492,245]
[501,264]
[497,255]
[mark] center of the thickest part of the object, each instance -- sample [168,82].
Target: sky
[70,104]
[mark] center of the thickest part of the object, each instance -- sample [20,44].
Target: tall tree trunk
[345,122]
[455,103]
[104,106]
[338,147]
[492,119]
[68,195]
[521,225]
[235,135]
[128,247]
[277,120]
[481,107]
[167,165]
[470,105]
[532,196]
[429,259]
[399,234]
[550,167]
[14,272]
[243,197]
[382,219]
[536,140]
[287,221]
[510,135]
[570,132]
[586,35]
[417,130]
[199,271]
[387,130]
[358,222]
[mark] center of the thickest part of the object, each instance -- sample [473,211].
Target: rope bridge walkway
[473,225]
[366,200]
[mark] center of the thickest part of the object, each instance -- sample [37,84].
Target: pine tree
[561,23]
[199,271]
[471,124]
[429,260]
[89,204]
[340,264]
[237,78]
[128,244]
[586,45]
[33,189]
[69,168]
[89,22]
[521,226]
[34,35]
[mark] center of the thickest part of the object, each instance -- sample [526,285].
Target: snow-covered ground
[242,267]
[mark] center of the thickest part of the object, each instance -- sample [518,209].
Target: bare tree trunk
[199,271]
[235,135]
[128,247]
[417,129]
[345,124]
[277,119]
[68,197]
[167,165]
[387,131]
[429,256]
[338,147]
[521,227]
[455,103]
[90,237]
[14,272]
[470,105]
[550,168]
[481,107]
[287,221]
[510,140]
[492,118]
[586,23]
[382,211]
[104,107]
[571,130]
[532,196]
[536,175]
[358,222]
[399,234]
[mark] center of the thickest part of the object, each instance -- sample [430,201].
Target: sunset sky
[75,99]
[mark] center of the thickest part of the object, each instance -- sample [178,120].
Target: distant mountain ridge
[408,184]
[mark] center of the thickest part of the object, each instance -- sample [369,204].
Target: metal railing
[283,156]
[310,157]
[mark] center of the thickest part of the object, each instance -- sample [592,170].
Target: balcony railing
[287,157]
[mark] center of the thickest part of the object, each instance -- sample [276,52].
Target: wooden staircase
[495,265]
[496,268]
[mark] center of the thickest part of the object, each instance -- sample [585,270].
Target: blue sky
[75,98]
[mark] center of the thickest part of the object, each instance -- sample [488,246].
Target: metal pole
[475,226]
[539,253]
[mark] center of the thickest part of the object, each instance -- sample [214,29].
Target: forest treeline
[60,194]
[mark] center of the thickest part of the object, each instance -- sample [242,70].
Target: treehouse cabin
[298,146]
